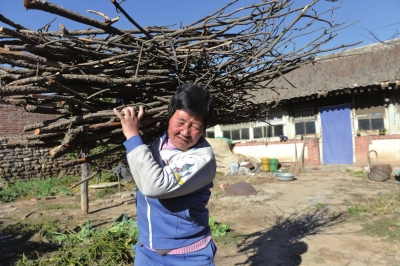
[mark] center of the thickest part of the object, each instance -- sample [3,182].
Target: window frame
[240,131]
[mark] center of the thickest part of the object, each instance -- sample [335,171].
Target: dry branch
[81,75]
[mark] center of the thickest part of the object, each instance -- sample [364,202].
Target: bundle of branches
[81,75]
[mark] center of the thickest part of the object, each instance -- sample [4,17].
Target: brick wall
[313,158]
[361,149]
[363,144]
[13,119]
[26,162]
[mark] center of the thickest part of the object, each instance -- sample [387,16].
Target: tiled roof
[357,67]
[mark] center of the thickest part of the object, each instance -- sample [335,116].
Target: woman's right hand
[130,121]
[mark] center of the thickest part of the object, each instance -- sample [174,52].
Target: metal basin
[284,176]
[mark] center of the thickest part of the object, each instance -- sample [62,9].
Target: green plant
[218,229]
[319,206]
[106,192]
[91,246]
[381,205]
[42,206]
[36,188]
[356,210]
[388,228]
[217,194]
[359,173]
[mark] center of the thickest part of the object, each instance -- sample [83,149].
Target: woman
[174,178]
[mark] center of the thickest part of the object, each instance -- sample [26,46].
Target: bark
[83,74]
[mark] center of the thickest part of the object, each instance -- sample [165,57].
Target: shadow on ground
[16,240]
[282,244]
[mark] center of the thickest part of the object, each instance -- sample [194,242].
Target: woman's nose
[185,130]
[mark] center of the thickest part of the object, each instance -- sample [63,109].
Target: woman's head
[189,113]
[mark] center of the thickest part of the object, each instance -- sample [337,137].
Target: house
[340,107]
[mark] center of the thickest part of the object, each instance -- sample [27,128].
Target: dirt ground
[281,224]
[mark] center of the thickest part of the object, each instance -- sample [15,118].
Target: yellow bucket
[265,164]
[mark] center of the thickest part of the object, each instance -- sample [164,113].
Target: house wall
[26,162]
[285,152]
[14,118]
[386,146]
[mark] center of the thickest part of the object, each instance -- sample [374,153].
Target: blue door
[337,139]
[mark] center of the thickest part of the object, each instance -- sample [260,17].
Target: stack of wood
[81,75]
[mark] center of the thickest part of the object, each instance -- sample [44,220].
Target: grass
[54,186]
[97,246]
[106,192]
[382,204]
[379,216]
[49,243]
[218,194]
[320,206]
[45,207]
[43,187]
[90,246]
[222,233]
[387,228]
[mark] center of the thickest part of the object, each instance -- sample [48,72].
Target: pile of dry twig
[81,75]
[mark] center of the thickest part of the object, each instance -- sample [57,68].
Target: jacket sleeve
[184,172]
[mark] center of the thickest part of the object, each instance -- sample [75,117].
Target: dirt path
[286,223]
[283,225]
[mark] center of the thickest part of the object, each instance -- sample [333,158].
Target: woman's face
[184,130]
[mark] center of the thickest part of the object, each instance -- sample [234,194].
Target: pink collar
[167,145]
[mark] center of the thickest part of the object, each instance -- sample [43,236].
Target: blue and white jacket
[173,191]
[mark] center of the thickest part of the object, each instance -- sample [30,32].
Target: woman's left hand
[130,122]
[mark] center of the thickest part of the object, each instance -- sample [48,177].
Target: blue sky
[380,17]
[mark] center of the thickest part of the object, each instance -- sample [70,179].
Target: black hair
[194,100]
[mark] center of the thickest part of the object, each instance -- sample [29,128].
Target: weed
[105,177]
[388,228]
[359,173]
[269,199]
[36,188]
[233,238]
[91,246]
[218,229]
[217,194]
[222,233]
[319,206]
[382,205]
[106,192]
[42,206]
[381,214]
[50,225]
[319,260]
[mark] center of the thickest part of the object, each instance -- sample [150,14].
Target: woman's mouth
[182,141]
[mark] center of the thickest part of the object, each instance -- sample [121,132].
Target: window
[371,122]
[303,111]
[305,127]
[259,132]
[274,130]
[237,134]
[304,119]
[370,111]
[210,134]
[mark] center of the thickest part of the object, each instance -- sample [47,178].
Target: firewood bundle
[81,75]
